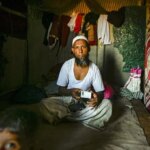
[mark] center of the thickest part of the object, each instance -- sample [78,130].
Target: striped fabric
[147,95]
[131,95]
[54,109]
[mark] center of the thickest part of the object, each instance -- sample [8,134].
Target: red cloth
[149,75]
[78,23]
[94,42]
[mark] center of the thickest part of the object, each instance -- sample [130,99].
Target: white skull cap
[79,37]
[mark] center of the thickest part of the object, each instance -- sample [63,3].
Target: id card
[86,94]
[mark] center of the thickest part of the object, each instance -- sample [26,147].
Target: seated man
[77,75]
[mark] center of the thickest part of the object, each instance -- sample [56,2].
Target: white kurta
[67,78]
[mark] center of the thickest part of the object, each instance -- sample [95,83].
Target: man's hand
[96,99]
[93,101]
[76,93]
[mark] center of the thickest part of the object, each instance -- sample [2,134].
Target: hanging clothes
[103,32]
[92,36]
[71,23]
[89,19]
[78,23]
[117,17]
[89,27]
[54,33]
[46,21]
[64,30]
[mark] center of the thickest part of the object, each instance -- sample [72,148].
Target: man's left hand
[93,101]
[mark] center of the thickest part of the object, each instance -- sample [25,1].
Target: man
[80,75]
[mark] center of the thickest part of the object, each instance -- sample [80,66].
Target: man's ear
[72,50]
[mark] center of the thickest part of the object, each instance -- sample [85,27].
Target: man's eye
[78,47]
[75,47]
[84,46]
[12,146]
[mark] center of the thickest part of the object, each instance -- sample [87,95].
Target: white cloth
[67,78]
[71,23]
[103,32]
[49,29]
[94,117]
[56,108]
[79,37]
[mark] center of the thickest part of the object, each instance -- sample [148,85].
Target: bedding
[122,132]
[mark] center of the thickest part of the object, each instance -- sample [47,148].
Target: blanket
[123,132]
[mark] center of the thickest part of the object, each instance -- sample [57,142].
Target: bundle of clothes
[132,88]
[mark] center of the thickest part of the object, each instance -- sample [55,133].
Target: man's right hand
[75,92]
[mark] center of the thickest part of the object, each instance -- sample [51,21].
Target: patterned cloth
[54,109]
[131,95]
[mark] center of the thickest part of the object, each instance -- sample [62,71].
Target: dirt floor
[143,116]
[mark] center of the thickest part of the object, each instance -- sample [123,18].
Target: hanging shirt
[71,23]
[78,23]
[103,30]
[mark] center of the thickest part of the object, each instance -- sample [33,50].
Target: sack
[134,81]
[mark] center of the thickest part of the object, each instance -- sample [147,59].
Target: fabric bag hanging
[134,81]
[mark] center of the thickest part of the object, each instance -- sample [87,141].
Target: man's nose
[81,48]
